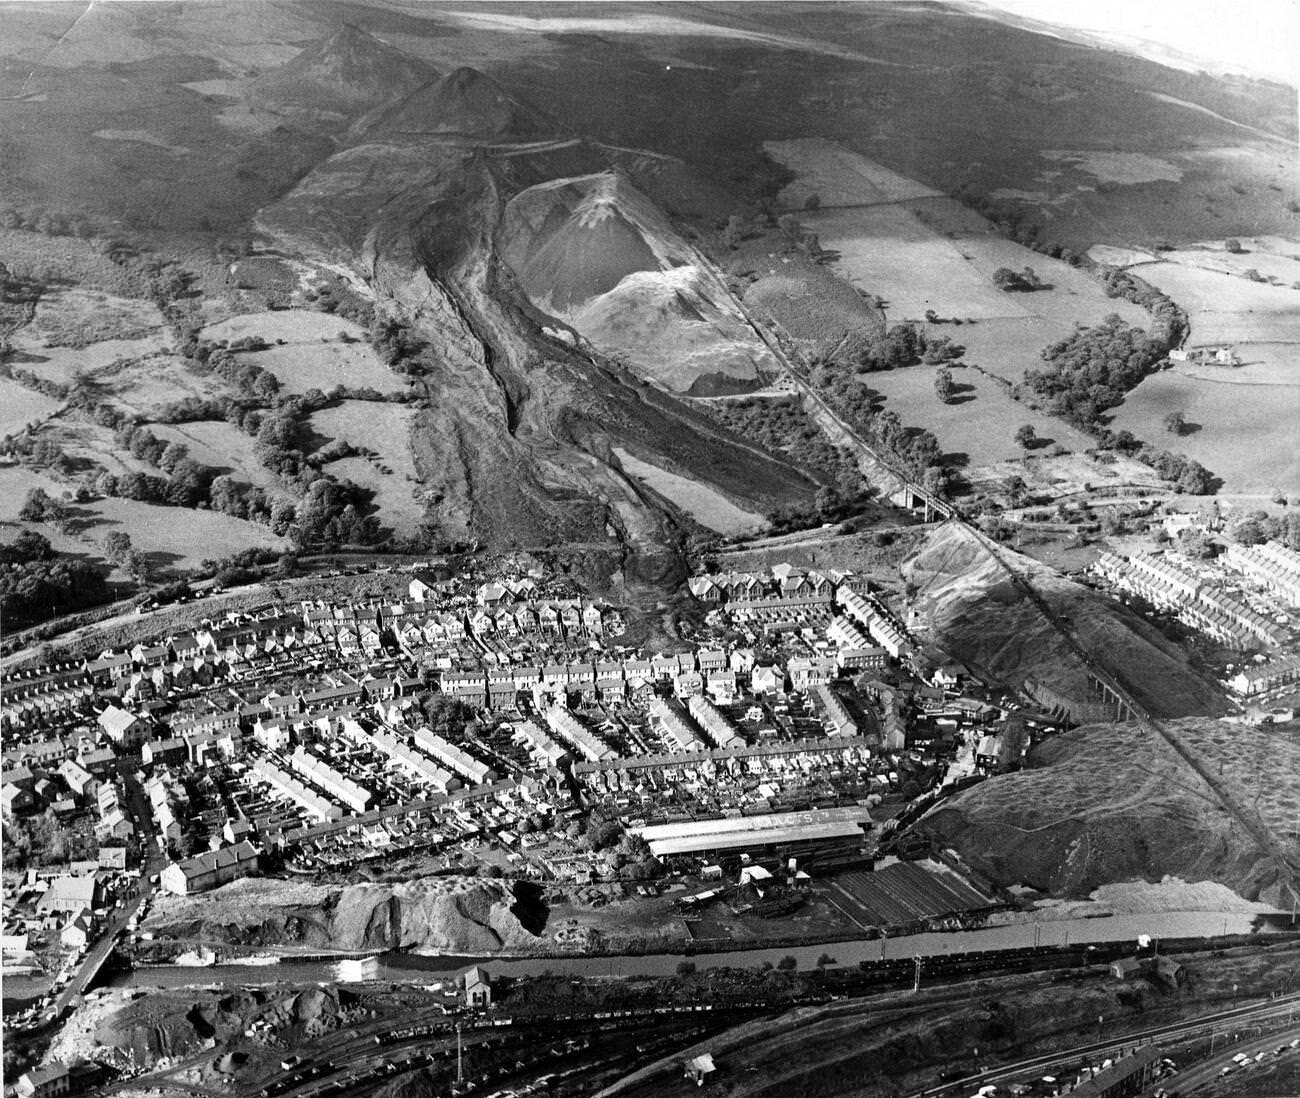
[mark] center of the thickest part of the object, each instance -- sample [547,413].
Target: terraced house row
[1194,601]
[1272,565]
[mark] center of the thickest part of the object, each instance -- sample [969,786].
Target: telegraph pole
[460,1068]
[916,978]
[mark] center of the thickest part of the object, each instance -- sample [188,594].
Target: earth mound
[346,72]
[464,103]
[971,609]
[454,914]
[1111,803]
[597,253]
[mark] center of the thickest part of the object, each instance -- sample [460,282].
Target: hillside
[970,608]
[347,71]
[515,440]
[464,103]
[1109,803]
[596,253]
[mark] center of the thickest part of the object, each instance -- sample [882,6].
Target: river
[413,968]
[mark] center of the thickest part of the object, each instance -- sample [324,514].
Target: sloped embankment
[1103,804]
[969,607]
[455,914]
[597,253]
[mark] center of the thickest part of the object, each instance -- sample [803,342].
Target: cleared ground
[1245,434]
[981,421]
[706,506]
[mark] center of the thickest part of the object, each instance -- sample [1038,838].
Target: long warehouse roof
[733,840]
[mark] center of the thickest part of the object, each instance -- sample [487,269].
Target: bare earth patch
[705,505]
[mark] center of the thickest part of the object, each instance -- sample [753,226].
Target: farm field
[20,406]
[61,364]
[706,506]
[838,176]
[885,250]
[386,430]
[221,445]
[979,424]
[311,350]
[1245,434]
[1225,308]
[80,316]
[929,256]
[393,496]
[172,538]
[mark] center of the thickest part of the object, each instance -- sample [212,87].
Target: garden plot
[310,350]
[20,406]
[384,429]
[705,505]
[980,423]
[220,445]
[1245,434]
[838,176]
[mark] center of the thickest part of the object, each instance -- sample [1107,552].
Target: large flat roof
[739,840]
[854,814]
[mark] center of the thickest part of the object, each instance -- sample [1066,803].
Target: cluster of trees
[782,426]
[188,482]
[1025,281]
[118,549]
[915,448]
[907,345]
[1169,322]
[832,503]
[47,222]
[242,567]
[1091,370]
[40,506]
[1186,474]
[341,301]
[1259,527]
[37,583]
[43,840]
[248,378]
[398,347]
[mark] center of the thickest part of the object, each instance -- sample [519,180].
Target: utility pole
[460,1067]
[916,978]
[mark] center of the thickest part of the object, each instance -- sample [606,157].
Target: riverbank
[1192,928]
